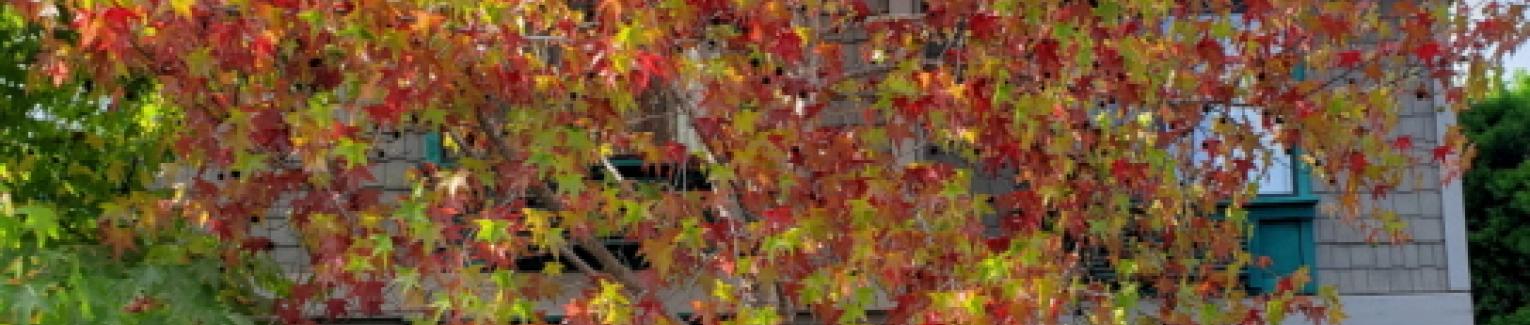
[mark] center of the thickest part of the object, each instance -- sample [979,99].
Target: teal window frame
[1269,217]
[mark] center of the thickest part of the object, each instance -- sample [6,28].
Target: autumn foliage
[812,122]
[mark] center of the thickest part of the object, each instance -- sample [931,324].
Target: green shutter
[1289,245]
[433,151]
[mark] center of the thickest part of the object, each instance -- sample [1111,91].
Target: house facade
[1422,281]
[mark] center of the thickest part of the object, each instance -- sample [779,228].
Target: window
[1282,215]
[1278,176]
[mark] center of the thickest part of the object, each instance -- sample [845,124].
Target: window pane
[1278,177]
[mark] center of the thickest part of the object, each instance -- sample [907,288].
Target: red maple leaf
[1334,25]
[1349,59]
[365,197]
[384,114]
[1212,147]
[300,293]
[1125,169]
[332,246]
[1428,51]
[339,130]
[651,305]
[264,46]
[335,307]
[1256,9]
[289,312]
[787,45]
[1442,151]
[998,308]
[256,244]
[675,152]
[1130,27]
[707,126]
[268,128]
[218,227]
[286,4]
[1455,94]
[392,108]
[1403,143]
[1210,50]
[1285,285]
[649,68]
[862,10]
[115,32]
[356,176]
[1305,109]
[118,18]
[369,289]
[1254,316]
[1357,162]
[999,244]
[1046,53]
[778,217]
[1243,166]
[984,26]
[655,65]
[906,305]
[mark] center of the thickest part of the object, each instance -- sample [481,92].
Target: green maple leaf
[251,162]
[355,153]
[897,85]
[1108,11]
[434,116]
[488,230]
[382,245]
[41,220]
[569,182]
[24,300]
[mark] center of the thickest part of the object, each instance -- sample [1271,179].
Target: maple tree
[1097,108]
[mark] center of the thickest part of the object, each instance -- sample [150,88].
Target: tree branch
[608,261]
